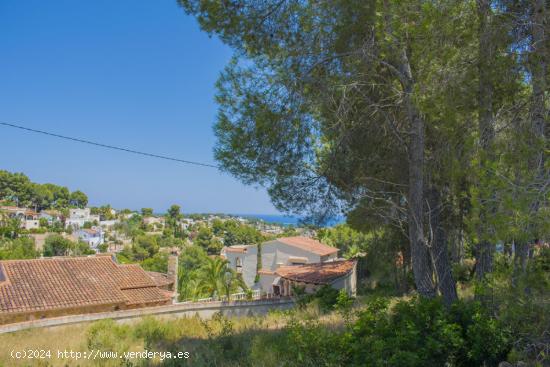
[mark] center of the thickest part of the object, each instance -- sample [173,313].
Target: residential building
[52,287]
[339,274]
[77,218]
[244,260]
[294,251]
[52,216]
[292,262]
[93,236]
[29,219]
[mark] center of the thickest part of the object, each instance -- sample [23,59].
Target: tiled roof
[308,244]
[236,248]
[56,283]
[15,209]
[317,273]
[266,272]
[160,279]
[137,296]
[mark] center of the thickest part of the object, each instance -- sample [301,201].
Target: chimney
[173,273]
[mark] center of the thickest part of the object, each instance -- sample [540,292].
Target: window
[239,264]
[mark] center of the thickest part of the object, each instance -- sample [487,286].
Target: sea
[286,220]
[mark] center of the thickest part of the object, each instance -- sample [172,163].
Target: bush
[463,271]
[423,333]
[327,297]
[107,335]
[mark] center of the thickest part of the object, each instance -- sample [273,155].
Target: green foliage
[328,297]
[19,190]
[103,247]
[463,271]
[107,335]
[78,199]
[147,212]
[158,263]
[9,227]
[43,222]
[202,276]
[104,212]
[144,246]
[205,239]
[19,248]
[309,344]
[423,333]
[151,331]
[349,241]
[57,245]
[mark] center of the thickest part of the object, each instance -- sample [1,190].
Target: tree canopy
[426,117]
[18,189]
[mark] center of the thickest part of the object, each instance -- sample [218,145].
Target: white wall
[249,263]
[266,282]
[349,282]
[30,224]
[275,252]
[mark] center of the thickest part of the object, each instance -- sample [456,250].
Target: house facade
[244,260]
[28,218]
[52,216]
[338,274]
[92,236]
[77,218]
[290,262]
[295,251]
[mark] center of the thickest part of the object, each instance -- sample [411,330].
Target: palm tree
[217,278]
[212,275]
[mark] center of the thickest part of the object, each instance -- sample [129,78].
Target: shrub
[107,335]
[423,333]
[327,297]
[462,272]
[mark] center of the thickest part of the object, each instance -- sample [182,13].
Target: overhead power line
[78,140]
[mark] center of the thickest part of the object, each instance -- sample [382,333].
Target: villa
[290,262]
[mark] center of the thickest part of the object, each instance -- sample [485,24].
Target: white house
[294,251]
[92,236]
[244,260]
[51,216]
[290,262]
[28,218]
[77,218]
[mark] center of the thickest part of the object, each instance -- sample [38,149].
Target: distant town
[59,256]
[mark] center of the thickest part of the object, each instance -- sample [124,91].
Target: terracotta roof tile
[266,272]
[54,283]
[308,244]
[147,295]
[317,273]
[160,279]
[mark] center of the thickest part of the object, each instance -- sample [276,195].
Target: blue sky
[135,73]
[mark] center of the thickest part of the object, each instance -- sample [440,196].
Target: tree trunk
[485,249]
[539,113]
[419,250]
[440,255]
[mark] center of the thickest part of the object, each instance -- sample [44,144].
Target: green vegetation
[17,189]
[19,248]
[202,276]
[57,245]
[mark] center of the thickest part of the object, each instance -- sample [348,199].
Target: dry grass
[74,337]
